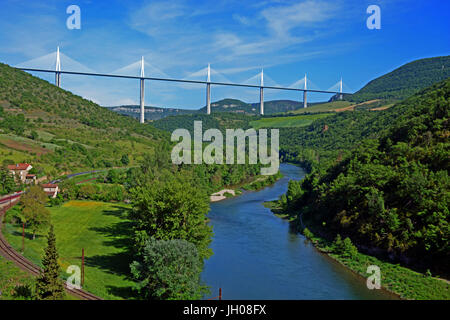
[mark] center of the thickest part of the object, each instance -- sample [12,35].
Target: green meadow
[323,107]
[102,229]
[284,122]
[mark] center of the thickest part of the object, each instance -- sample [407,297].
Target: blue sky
[325,39]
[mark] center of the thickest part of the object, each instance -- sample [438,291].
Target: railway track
[9,253]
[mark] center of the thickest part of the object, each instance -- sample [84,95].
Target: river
[257,256]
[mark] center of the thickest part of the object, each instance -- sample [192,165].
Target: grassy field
[102,230]
[283,122]
[323,107]
[12,277]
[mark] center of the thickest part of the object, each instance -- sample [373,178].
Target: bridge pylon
[305,103]
[340,90]
[142,115]
[261,94]
[208,91]
[58,68]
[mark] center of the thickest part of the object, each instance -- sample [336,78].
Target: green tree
[170,270]
[125,160]
[173,208]
[34,212]
[49,286]
[7,183]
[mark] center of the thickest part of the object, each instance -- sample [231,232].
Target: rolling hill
[224,105]
[151,113]
[390,192]
[404,81]
[60,132]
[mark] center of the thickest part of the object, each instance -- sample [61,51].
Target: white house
[20,170]
[51,189]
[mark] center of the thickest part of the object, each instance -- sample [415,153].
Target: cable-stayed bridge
[257,81]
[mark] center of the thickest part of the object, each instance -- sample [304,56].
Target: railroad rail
[9,253]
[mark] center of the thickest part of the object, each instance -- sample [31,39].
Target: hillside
[391,193]
[58,131]
[151,113]
[218,120]
[405,80]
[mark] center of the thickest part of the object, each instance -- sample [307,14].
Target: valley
[372,168]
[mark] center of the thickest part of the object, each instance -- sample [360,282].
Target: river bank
[397,280]
[255,183]
[259,256]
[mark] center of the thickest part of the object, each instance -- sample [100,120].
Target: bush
[344,248]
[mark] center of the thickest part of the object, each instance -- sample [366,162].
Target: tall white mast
[57,69]
[208,91]
[142,118]
[305,104]
[261,94]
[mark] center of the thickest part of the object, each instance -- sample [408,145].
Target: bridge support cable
[337,89]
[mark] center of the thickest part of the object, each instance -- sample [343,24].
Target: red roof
[19,166]
[49,185]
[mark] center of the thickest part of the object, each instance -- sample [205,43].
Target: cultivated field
[292,121]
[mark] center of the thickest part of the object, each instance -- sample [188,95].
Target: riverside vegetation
[388,193]
[377,178]
[60,133]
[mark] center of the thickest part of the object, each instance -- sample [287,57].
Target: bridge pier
[208,91]
[58,79]
[208,98]
[305,104]
[142,119]
[261,101]
[261,95]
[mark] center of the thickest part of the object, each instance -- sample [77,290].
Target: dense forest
[389,193]
[405,80]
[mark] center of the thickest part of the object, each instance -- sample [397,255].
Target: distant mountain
[151,113]
[224,105]
[230,105]
[404,81]
[278,106]
[238,106]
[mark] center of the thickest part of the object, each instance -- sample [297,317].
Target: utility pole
[23,237]
[305,104]
[82,267]
[220,293]
[57,69]
[208,91]
[261,94]
[142,119]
